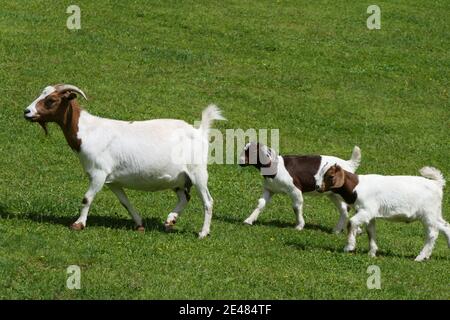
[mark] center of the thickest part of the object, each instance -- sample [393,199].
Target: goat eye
[48,103]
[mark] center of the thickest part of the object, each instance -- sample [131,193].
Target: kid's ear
[266,155]
[270,165]
[338,178]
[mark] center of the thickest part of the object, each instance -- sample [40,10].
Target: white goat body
[398,198]
[137,155]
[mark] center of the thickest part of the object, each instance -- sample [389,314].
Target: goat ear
[264,155]
[71,95]
[272,169]
[269,161]
[338,178]
[272,154]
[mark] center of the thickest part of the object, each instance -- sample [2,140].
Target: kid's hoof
[349,249]
[203,235]
[77,226]
[140,228]
[168,226]
[249,222]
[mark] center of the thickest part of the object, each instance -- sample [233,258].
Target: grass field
[311,69]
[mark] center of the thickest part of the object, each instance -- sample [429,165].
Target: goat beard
[44,126]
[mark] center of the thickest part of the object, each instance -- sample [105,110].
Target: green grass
[310,68]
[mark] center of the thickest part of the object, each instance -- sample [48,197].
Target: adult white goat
[143,155]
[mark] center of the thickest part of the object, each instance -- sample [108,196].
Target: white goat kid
[147,155]
[398,198]
[294,175]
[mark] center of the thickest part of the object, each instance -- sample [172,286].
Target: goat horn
[65,87]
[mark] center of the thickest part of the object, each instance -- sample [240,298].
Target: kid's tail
[433,174]
[355,160]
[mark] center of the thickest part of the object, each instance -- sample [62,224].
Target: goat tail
[355,159]
[211,113]
[433,174]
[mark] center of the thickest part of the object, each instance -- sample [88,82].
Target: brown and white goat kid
[294,176]
[398,198]
[130,154]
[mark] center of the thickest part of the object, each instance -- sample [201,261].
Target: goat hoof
[203,235]
[168,226]
[140,228]
[420,258]
[77,226]
[248,222]
[349,249]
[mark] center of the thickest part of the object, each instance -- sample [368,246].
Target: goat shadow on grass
[359,251]
[113,222]
[274,224]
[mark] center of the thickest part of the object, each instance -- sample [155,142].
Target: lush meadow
[311,69]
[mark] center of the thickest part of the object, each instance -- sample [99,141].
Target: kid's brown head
[260,156]
[333,178]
